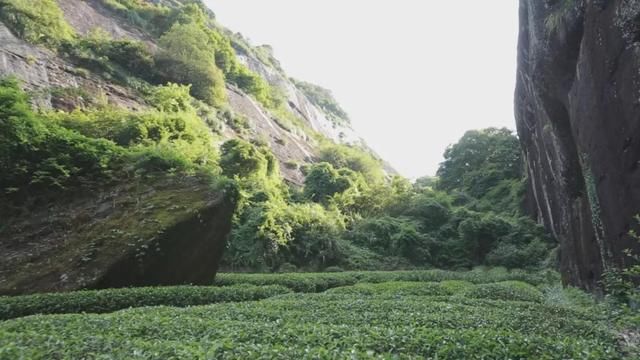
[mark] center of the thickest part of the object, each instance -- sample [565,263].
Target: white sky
[414,75]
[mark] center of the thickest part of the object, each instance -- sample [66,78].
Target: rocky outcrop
[43,72]
[578,116]
[161,231]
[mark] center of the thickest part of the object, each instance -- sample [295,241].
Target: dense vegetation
[44,153]
[426,317]
[362,217]
[348,215]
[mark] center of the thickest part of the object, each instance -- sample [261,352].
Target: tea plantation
[352,315]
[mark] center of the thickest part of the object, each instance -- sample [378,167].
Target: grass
[486,315]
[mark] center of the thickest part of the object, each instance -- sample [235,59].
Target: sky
[413,75]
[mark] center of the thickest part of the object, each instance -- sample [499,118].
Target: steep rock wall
[578,117]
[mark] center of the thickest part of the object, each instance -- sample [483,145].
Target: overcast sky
[414,75]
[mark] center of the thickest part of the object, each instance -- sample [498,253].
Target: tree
[187,57]
[487,165]
[323,182]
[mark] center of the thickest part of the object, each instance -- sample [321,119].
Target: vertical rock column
[577,108]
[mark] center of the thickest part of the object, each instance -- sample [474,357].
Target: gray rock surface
[578,117]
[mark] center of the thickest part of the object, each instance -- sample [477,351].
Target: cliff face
[578,110]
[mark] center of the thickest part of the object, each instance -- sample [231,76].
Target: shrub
[397,288]
[243,159]
[322,181]
[507,290]
[153,18]
[288,268]
[172,98]
[343,156]
[102,301]
[38,155]
[394,320]
[186,58]
[392,236]
[183,133]
[38,22]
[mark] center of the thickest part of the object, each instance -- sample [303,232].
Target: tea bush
[101,301]
[403,320]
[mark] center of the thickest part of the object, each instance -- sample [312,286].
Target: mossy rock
[153,231]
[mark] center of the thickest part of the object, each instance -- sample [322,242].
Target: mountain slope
[118,180]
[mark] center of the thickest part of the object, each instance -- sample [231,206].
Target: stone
[577,107]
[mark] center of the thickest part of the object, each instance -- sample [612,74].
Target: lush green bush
[39,155]
[153,18]
[392,236]
[171,98]
[314,282]
[102,301]
[38,22]
[398,288]
[393,320]
[322,182]
[115,59]
[487,165]
[356,159]
[245,160]
[186,57]
[179,135]
[44,153]
[507,290]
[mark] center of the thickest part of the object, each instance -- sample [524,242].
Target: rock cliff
[577,108]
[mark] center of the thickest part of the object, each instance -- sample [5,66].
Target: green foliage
[239,123]
[485,164]
[423,316]
[171,98]
[354,158]
[116,59]
[323,181]
[622,285]
[245,160]
[179,135]
[186,58]
[318,282]
[103,301]
[39,155]
[508,290]
[45,153]
[324,100]
[392,236]
[153,18]
[38,22]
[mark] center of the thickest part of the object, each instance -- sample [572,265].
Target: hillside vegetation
[161,146]
[349,212]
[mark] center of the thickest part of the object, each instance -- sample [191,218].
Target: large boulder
[163,231]
[578,116]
